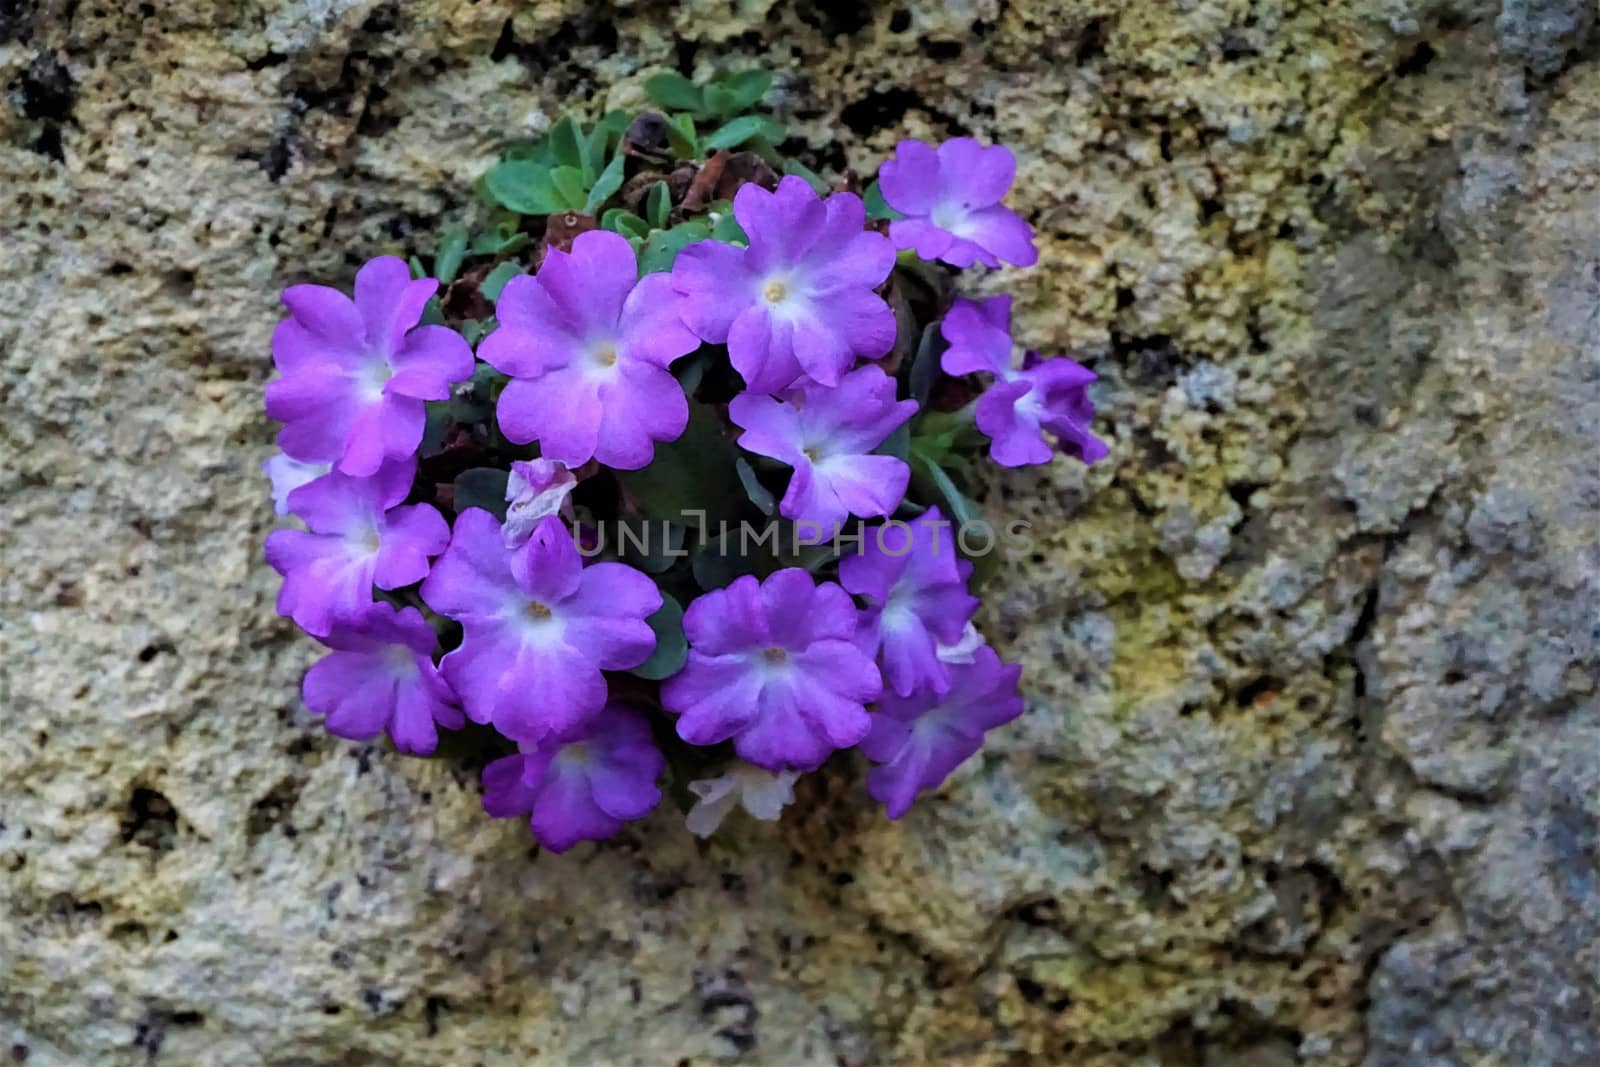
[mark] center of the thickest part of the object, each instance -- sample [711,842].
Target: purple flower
[827,436]
[580,784]
[539,625]
[287,475]
[358,538]
[355,374]
[1046,395]
[951,202]
[800,299]
[773,665]
[915,586]
[587,344]
[919,740]
[380,676]
[535,490]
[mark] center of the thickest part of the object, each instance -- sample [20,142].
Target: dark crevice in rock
[48,96]
[150,821]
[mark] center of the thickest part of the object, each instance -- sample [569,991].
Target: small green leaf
[594,153]
[690,370]
[496,280]
[925,364]
[671,646]
[661,251]
[502,239]
[759,495]
[897,444]
[672,90]
[615,124]
[608,183]
[658,206]
[800,170]
[744,128]
[747,87]
[435,425]
[534,151]
[728,230]
[877,207]
[722,559]
[570,190]
[682,137]
[720,101]
[566,143]
[448,256]
[523,187]
[417,269]
[651,546]
[763,148]
[694,474]
[962,510]
[482,487]
[620,220]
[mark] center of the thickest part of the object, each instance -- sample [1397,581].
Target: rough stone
[1312,758]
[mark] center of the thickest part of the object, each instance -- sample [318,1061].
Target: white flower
[762,793]
[963,650]
[535,490]
[288,475]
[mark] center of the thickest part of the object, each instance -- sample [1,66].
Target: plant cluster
[659,473]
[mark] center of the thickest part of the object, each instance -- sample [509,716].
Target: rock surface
[1311,773]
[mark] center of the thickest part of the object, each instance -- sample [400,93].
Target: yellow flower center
[775,655]
[538,611]
[606,355]
[775,292]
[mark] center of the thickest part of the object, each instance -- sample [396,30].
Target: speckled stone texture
[1311,770]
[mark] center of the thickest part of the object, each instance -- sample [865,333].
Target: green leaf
[448,256]
[689,371]
[570,190]
[742,129]
[693,474]
[662,249]
[727,226]
[925,364]
[759,495]
[482,487]
[435,425]
[502,239]
[720,101]
[897,444]
[658,206]
[747,87]
[962,510]
[594,153]
[524,187]
[620,220]
[417,269]
[496,280]
[615,123]
[877,207]
[566,143]
[800,170]
[682,137]
[534,151]
[672,90]
[651,546]
[722,559]
[608,183]
[671,646]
